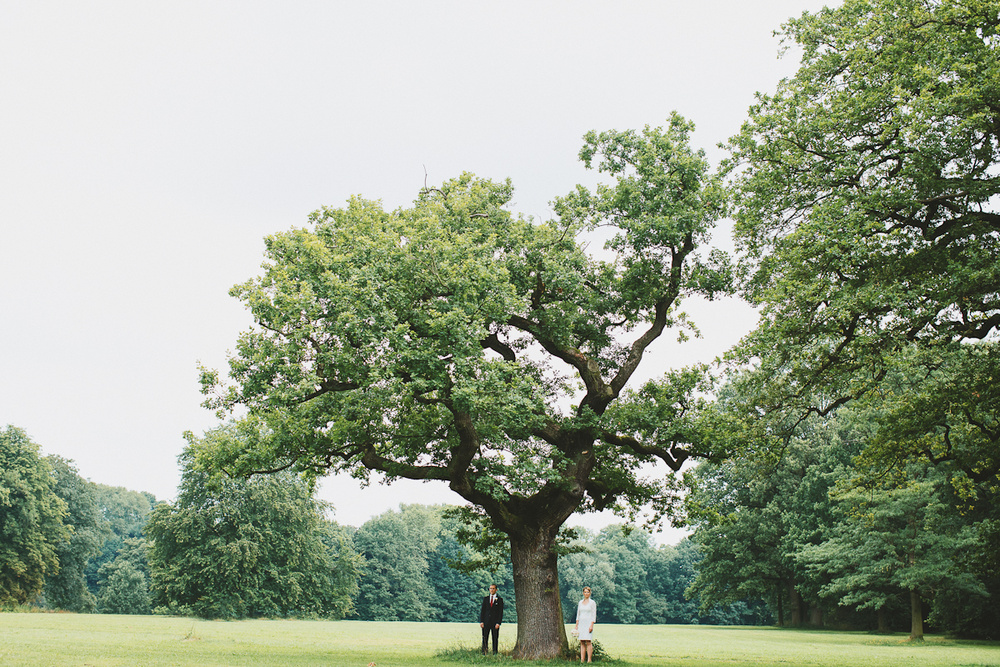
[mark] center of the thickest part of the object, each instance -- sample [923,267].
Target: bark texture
[541,633]
[916,617]
[883,621]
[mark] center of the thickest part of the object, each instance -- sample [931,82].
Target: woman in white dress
[586,616]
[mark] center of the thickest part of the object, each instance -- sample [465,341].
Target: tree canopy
[87,531]
[866,200]
[244,548]
[866,194]
[31,519]
[453,341]
[824,542]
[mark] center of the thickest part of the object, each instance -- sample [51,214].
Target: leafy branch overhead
[866,192]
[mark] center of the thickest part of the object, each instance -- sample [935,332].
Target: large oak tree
[453,341]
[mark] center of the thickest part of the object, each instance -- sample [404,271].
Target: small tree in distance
[452,341]
[243,548]
[124,589]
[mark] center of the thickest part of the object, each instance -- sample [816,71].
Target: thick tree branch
[372,460]
[673,455]
[662,308]
[493,342]
[589,370]
[329,386]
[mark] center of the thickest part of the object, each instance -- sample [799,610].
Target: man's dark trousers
[491,615]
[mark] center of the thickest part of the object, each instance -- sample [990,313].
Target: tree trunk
[780,596]
[916,617]
[883,621]
[796,601]
[816,617]
[541,633]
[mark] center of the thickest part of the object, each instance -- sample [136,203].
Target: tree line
[262,547]
[409,572]
[804,538]
[828,541]
[228,548]
[65,542]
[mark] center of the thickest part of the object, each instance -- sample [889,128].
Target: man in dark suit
[490,617]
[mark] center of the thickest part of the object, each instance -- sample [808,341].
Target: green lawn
[106,641]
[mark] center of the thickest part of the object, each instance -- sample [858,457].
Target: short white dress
[586,613]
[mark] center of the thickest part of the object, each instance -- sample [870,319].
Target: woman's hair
[587,588]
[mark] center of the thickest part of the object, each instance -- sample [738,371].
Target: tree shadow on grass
[473,656]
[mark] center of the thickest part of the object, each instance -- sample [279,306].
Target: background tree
[67,588]
[125,514]
[31,519]
[974,615]
[629,552]
[856,547]
[940,405]
[634,580]
[617,567]
[396,549]
[238,548]
[740,531]
[459,589]
[346,567]
[446,340]
[670,572]
[682,607]
[901,537]
[752,516]
[415,568]
[124,582]
[866,212]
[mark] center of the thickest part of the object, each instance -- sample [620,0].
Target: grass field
[49,640]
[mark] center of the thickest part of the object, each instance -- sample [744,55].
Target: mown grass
[50,640]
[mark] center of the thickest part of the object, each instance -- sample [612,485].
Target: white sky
[147,148]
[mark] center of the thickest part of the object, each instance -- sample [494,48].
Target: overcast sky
[147,148]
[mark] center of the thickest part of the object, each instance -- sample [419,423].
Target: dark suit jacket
[491,616]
